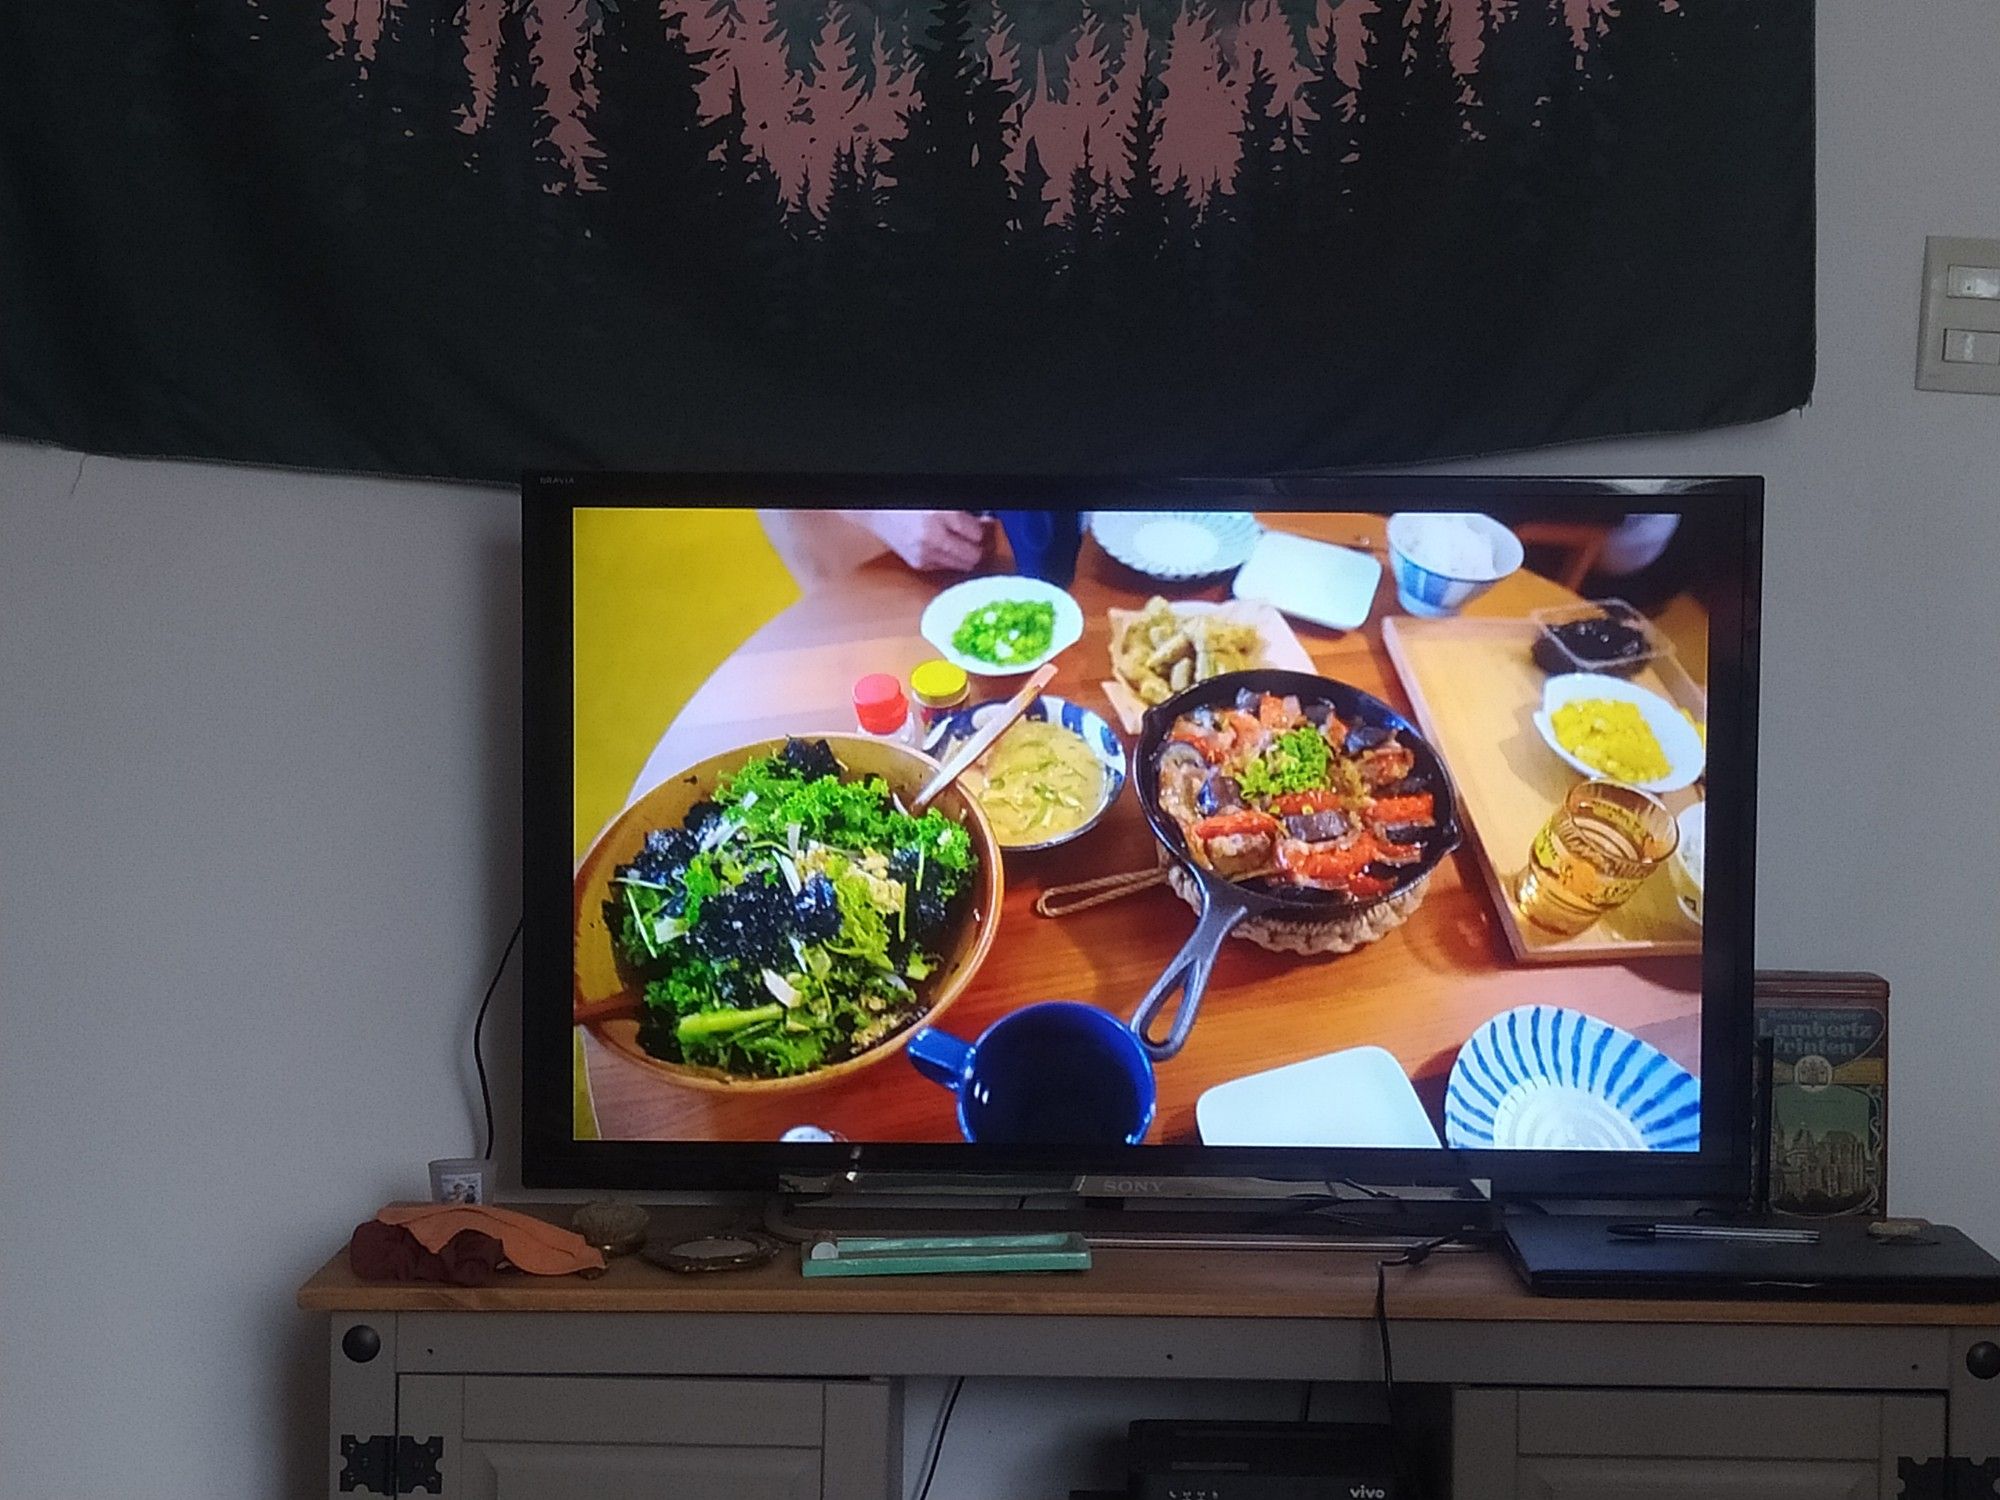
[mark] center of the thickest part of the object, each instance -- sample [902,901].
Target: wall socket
[1959,347]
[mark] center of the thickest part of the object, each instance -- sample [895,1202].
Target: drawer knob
[362,1343]
[1982,1360]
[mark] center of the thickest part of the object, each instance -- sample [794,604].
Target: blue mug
[1058,1073]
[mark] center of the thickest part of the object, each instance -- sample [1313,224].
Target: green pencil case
[945,1255]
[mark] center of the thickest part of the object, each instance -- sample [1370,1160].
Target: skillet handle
[1188,973]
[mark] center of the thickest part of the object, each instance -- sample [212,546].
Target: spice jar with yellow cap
[939,687]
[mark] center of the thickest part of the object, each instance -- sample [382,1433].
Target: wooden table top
[1472,1286]
[1419,992]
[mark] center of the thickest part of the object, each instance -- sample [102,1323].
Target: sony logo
[1127,1186]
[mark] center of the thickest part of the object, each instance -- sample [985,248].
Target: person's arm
[817,545]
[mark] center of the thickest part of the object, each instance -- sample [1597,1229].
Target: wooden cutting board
[1475,688]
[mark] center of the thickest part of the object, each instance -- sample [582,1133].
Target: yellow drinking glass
[1601,845]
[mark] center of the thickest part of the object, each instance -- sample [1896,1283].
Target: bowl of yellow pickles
[1618,731]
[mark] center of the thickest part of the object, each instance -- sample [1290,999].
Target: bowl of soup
[1047,780]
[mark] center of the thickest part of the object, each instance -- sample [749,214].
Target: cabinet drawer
[1700,1424]
[1695,1479]
[574,1471]
[1593,1444]
[614,1409]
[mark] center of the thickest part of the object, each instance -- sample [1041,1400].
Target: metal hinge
[382,1465]
[1948,1478]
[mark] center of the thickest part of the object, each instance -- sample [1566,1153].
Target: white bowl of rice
[1443,560]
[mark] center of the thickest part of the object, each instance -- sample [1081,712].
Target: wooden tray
[1475,689]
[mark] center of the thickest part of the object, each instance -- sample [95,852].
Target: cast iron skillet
[1224,903]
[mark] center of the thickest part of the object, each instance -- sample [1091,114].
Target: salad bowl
[606,1000]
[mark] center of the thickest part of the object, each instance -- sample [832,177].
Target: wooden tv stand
[760,1385]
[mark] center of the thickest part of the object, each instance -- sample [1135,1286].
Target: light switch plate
[1981,282]
[1970,346]
[1958,330]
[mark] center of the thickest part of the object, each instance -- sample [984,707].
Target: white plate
[1176,544]
[1360,1097]
[1542,1078]
[1679,739]
[1316,581]
[945,613]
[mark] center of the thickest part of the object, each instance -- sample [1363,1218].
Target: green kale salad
[786,925]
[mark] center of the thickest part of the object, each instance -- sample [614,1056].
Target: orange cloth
[532,1245]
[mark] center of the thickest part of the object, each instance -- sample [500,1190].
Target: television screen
[1397,825]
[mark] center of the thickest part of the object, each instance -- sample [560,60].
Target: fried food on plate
[1163,650]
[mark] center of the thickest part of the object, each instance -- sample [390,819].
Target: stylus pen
[1715,1232]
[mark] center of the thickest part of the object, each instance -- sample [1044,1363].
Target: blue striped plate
[1541,1078]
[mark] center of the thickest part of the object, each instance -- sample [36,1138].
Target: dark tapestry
[458,237]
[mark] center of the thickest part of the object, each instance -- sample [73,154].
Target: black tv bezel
[552,1158]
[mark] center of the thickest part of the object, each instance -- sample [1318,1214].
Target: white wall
[1879,847]
[258,848]
[258,831]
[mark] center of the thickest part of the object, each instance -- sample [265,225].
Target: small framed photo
[461,1179]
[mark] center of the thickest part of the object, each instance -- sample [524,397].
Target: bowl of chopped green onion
[1002,627]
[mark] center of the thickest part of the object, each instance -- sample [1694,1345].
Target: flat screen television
[1392,830]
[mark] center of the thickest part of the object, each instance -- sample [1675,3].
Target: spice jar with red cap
[882,709]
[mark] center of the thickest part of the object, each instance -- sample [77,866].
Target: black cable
[1399,1219]
[1306,1403]
[1380,1194]
[1415,1256]
[479,1025]
[937,1439]
[1388,1354]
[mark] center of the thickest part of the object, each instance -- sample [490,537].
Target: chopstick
[995,726]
